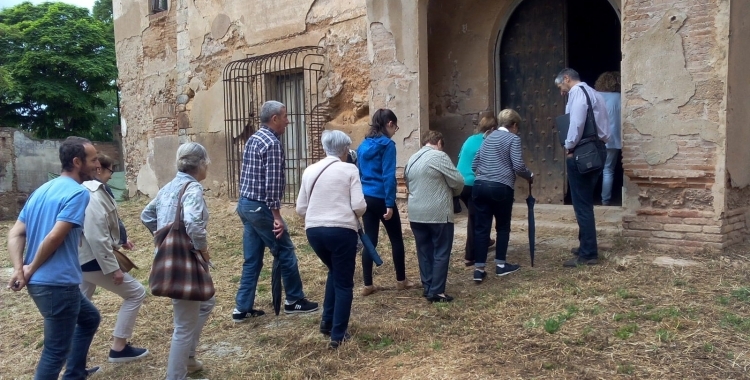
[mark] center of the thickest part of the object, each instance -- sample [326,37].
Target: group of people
[70,254]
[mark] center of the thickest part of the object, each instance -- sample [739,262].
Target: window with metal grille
[159,6]
[290,77]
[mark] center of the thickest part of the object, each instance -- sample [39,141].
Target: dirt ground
[625,318]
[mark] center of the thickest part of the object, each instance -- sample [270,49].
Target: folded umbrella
[276,285]
[532,228]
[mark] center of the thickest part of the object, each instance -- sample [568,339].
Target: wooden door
[532,52]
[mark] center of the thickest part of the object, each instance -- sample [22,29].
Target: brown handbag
[126,265]
[179,271]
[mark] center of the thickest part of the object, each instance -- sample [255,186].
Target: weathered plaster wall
[462,37]
[738,113]
[171,65]
[674,108]
[738,122]
[397,45]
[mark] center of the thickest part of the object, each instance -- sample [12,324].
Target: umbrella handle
[529,189]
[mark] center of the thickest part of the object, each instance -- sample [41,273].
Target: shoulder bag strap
[406,170]
[316,178]
[178,213]
[589,114]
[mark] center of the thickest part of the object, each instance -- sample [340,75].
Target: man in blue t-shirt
[50,227]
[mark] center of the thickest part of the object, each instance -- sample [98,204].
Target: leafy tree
[102,11]
[57,60]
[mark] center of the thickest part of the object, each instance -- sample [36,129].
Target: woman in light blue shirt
[608,84]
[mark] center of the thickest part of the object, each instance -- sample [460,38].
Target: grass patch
[664,335]
[625,369]
[625,294]
[742,294]
[736,322]
[626,331]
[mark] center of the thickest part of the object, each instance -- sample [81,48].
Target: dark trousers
[582,188]
[337,249]
[491,199]
[466,198]
[371,220]
[434,242]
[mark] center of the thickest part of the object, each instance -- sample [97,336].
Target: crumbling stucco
[662,47]
[738,93]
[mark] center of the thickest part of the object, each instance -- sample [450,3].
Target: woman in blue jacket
[376,158]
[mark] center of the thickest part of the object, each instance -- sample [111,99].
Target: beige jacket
[101,229]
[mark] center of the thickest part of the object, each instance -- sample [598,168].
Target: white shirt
[577,107]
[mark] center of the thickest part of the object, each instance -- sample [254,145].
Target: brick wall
[676,193]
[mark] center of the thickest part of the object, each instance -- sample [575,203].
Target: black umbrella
[532,228]
[276,284]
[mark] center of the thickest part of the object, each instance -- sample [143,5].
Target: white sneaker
[194,365]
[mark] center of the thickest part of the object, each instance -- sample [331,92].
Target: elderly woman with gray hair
[331,201]
[189,316]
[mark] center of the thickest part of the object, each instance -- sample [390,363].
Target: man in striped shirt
[496,165]
[262,185]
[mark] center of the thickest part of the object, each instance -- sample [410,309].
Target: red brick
[705,237]
[651,211]
[683,228]
[648,226]
[700,221]
[668,235]
[636,234]
[690,214]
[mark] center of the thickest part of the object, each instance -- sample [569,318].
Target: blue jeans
[582,187]
[70,322]
[491,199]
[434,243]
[337,249]
[258,221]
[609,174]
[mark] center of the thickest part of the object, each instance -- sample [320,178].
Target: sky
[81,3]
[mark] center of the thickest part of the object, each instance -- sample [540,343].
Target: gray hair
[335,143]
[191,157]
[269,109]
[572,74]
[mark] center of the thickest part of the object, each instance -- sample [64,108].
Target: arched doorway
[540,38]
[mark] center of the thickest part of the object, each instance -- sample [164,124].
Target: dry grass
[616,320]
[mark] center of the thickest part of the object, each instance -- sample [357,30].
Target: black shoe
[479,276]
[242,316]
[334,344]
[325,328]
[93,370]
[127,354]
[424,293]
[572,263]
[575,250]
[506,269]
[300,307]
[440,298]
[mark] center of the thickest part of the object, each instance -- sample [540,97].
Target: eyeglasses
[110,170]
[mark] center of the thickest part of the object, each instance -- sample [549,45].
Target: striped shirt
[262,177]
[500,159]
[432,181]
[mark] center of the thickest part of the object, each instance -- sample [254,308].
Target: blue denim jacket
[161,210]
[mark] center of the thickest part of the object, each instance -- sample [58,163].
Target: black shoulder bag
[586,153]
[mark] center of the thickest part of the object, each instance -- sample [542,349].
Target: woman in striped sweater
[496,165]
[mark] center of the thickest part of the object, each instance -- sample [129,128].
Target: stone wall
[171,65]
[674,118]
[25,163]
